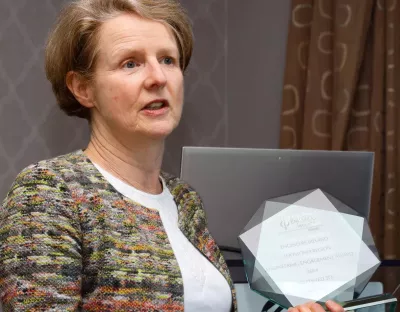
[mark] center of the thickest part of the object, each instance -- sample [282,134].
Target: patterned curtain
[342,90]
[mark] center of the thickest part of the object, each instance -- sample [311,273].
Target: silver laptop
[234,182]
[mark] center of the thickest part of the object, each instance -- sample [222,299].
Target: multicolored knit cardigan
[70,242]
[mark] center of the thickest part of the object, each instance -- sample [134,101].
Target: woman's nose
[155,76]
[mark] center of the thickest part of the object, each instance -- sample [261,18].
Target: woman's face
[138,85]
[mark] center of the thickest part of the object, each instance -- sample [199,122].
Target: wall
[233,86]
[31,125]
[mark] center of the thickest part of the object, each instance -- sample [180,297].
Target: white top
[205,288]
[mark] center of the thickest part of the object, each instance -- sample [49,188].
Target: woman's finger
[300,308]
[294,309]
[333,306]
[315,307]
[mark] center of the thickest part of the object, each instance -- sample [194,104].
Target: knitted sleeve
[40,246]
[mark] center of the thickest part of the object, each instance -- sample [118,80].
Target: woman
[104,229]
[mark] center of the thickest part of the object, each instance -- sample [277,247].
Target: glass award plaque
[310,247]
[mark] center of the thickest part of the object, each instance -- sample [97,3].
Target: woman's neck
[137,163]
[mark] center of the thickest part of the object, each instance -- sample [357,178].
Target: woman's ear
[80,88]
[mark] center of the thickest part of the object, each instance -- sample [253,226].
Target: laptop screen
[234,182]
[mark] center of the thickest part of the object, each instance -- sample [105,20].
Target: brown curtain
[342,90]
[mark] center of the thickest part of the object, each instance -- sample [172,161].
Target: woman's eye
[168,60]
[130,64]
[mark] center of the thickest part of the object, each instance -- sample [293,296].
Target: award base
[378,303]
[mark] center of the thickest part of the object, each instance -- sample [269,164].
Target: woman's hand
[315,307]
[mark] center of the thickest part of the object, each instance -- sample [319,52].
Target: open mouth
[155,105]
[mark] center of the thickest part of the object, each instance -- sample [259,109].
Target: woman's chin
[159,133]
[151,130]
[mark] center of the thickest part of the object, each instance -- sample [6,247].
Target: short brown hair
[72,44]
